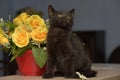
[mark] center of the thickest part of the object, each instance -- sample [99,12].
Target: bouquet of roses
[25,32]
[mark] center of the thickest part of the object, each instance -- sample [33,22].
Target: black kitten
[66,53]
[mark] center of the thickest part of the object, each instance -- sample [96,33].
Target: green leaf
[13,57]
[17,51]
[10,25]
[40,56]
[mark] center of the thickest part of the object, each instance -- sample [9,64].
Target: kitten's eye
[60,15]
[68,17]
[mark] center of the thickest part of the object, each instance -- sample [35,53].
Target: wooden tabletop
[105,72]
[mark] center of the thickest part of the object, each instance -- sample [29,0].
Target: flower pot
[27,65]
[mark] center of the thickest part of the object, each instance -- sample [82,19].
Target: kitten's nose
[60,15]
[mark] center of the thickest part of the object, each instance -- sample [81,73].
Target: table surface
[105,72]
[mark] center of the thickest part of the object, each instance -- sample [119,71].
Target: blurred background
[97,22]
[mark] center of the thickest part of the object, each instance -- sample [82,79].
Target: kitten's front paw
[58,74]
[70,76]
[48,75]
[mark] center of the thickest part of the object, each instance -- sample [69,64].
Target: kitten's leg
[69,69]
[50,68]
[69,62]
[59,71]
[58,74]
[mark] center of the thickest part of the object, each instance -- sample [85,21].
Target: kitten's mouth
[63,22]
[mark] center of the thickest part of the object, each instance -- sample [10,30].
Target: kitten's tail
[90,73]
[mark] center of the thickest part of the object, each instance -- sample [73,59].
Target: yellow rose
[3,40]
[17,21]
[36,21]
[20,38]
[39,35]
[42,27]
[24,17]
[1,31]
[21,19]
[25,27]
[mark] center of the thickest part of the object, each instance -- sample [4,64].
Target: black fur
[66,53]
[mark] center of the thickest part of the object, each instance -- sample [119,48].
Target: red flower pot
[27,65]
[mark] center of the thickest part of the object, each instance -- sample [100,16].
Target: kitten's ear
[72,12]
[51,10]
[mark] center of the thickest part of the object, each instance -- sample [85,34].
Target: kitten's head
[61,19]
